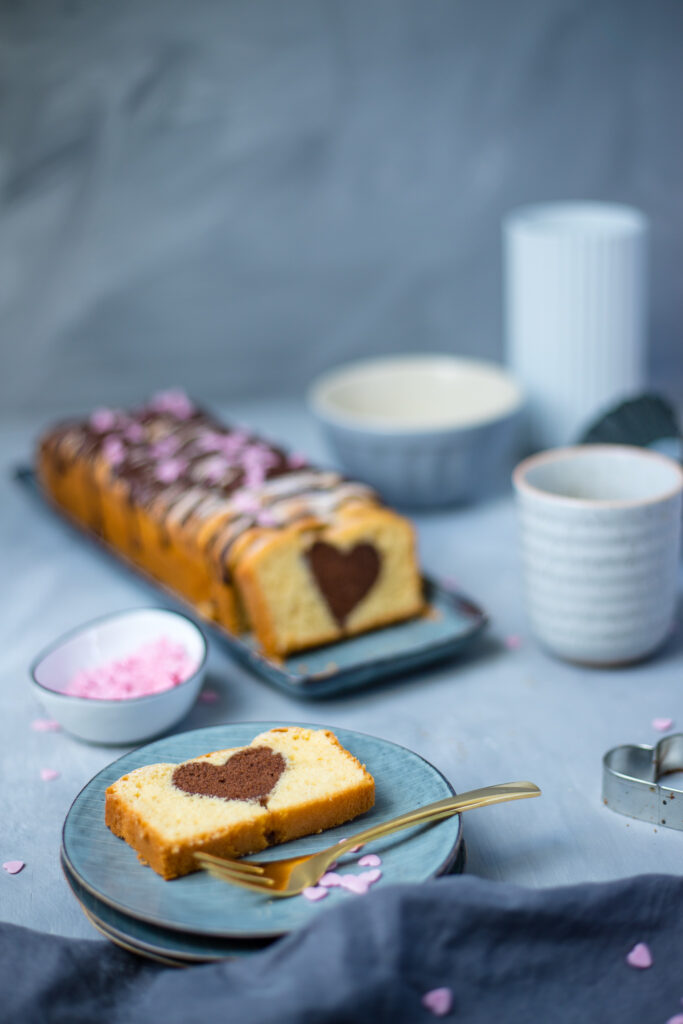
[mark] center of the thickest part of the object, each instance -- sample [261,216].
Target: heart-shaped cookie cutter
[631,781]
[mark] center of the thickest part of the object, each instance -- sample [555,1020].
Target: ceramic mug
[600,533]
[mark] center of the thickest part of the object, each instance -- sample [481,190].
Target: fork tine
[243,865]
[253,882]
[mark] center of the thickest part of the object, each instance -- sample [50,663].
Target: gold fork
[292,875]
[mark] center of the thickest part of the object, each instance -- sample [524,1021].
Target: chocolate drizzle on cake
[173,457]
[250,774]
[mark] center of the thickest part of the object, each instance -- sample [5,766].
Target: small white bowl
[423,430]
[101,641]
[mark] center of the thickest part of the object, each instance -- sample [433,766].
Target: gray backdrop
[234,194]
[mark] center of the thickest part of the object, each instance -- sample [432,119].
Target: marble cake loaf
[253,537]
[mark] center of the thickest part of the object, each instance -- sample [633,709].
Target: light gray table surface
[493,715]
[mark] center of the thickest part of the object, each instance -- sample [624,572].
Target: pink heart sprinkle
[296,460]
[173,401]
[45,725]
[314,893]
[513,642]
[134,432]
[353,849]
[168,470]
[662,724]
[438,1001]
[13,867]
[102,420]
[370,877]
[266,518]
[640,956]
[330,880]
[48,774]
[355,884]
[676,1019]
[208,697]
[370,860]
[114,450]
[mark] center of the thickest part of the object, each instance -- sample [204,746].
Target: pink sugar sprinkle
[103,420]
[168,470]
[208,697]
[114,450]
[296,460]
[370,860]
[45,725]
[266,518]
[174,401]
[314,893]
[354,884]
[353,849]
[438,1001]
[134,432]
[640,956]
[48,774]
[215,469]
[370,877]
[676,1019]
[254,477]
[662,724]
[330,880]
[513,642]
[13,867]
[165,447]
[154,667]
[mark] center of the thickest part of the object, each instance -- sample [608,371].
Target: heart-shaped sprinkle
[173,401]
[370,860]
[676,1019]
[250,774]
[314,893]
[513,642]
[343,577]
[45,725]
[48,774]
[662,724]
[114,450]
[330,880]
[640,956]
[103,420]
[354,883]
[13,867]
[371,876]
[208,696]
[438,1001]
[169,470]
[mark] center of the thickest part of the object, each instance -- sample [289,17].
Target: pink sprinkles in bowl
[154,667]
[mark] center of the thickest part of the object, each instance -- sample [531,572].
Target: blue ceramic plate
[109,869]
[451,622]
[172,948]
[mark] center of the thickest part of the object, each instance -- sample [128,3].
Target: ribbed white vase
[575,279]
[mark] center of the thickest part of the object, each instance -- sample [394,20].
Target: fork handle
[444,809]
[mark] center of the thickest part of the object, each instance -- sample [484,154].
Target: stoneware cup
[600,534]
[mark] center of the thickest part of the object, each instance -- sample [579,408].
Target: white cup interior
[605,474]
[113,638]
[416,393]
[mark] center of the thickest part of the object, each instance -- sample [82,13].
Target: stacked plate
[198,918]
